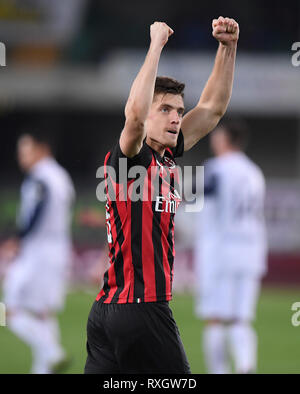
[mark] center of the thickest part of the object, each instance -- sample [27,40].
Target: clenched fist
[225,30]
[160,33]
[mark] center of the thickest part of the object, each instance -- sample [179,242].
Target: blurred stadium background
[70,64]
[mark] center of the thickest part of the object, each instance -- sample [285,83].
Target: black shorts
[134,339]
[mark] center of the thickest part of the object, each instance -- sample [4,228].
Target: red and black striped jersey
[141,230]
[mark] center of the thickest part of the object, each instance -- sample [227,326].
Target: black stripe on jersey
[128,293]
[160,279]
[106,288]
[136,248]
[119,263]
[110,190]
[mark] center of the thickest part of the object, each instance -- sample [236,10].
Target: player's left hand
[225,30]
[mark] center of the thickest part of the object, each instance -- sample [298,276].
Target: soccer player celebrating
[131,328]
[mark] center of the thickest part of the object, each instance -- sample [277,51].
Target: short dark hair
[40,136]
[168,85]
[237,131]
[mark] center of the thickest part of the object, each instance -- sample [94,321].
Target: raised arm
[142,91]
[217,92]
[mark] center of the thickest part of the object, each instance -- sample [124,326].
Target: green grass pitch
[279,340]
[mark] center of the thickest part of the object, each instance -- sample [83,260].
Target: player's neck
[155,145]
[38,160]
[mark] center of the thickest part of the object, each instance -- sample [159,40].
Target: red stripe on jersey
[125,213]
[112,285]
[102,292]
[165,222]
[111,273]
[128,233]
[147,241]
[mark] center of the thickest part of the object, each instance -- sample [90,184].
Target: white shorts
[227,295]
[36,283]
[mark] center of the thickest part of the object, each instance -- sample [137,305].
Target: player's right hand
[160,33]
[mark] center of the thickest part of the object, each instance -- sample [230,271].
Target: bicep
[197,123]
[132,136]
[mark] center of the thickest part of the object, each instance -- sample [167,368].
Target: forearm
[141,94]
[218,89]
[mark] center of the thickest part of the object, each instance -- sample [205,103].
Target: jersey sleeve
[179,148]
[143,158]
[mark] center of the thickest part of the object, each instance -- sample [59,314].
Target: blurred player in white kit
[230,252]
[35,284]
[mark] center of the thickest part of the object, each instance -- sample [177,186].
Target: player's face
[164,119]
[219,142]
[27,152]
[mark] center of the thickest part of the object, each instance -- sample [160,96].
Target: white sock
[214,345]
[55,350]
[243,345]
[54,328]
[37,333]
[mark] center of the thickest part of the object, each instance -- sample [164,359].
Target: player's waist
[48,237]
[161,298]
[43,244]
